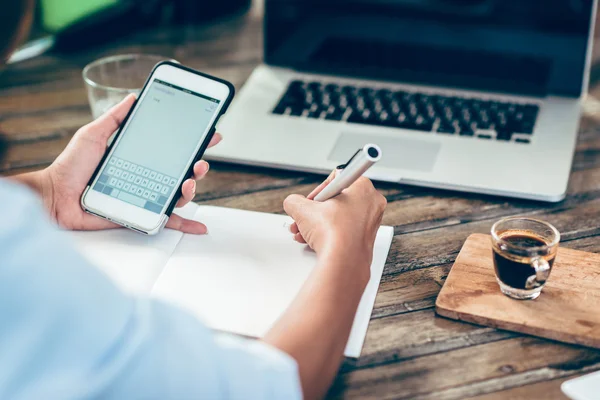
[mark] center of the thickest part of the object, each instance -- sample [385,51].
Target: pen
[360,162]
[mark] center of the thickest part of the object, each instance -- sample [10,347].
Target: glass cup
[109,80]
[524,250]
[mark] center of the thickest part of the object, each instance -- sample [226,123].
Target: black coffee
[514,270]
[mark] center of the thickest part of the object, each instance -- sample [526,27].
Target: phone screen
[153,152]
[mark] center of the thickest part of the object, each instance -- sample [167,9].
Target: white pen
[360,162]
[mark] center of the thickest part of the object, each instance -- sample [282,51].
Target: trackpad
[398,153]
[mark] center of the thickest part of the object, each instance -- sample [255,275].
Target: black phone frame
[203,146]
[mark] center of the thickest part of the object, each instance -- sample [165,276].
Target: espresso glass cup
[109,80]
[524,250]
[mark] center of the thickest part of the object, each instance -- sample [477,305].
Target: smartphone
[166,131]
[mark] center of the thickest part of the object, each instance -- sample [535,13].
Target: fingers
[299,238]
[109,122]
[200,169]
[362,185]
[186,225]
[294,205]
[216,139]
[326,182]
[93,223]
[188,191]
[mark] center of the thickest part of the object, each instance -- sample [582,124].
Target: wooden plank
[417,289]
[44,70]
[409,291]
[415,334]
[464,372]
[17,171]
[47,125]
[225,181]
[35,101]
[548,390]
[415,209]
[33,154]
[496,384]
[563,312]
[271,199]
[441,246]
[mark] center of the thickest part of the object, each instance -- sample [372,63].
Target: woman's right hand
[344,226]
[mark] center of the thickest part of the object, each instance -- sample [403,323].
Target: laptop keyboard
[447,115]
[135,184]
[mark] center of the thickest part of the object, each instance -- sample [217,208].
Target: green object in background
[59,14]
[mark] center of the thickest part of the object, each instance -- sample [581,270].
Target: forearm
[315,328]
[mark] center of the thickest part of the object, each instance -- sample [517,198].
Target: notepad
[239,278]
[586,387]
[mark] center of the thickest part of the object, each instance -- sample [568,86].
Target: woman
[67,332]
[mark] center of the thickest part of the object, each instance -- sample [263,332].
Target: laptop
[472,95]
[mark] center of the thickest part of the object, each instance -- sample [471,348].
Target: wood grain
[467,371]
[550,390]
[409,351]
[565,311]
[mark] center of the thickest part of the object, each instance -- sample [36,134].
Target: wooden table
[409,351]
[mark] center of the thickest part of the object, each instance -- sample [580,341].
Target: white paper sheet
[586,387]
[243,275]
[132,260]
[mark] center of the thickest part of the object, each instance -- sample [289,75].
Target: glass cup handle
[542,271]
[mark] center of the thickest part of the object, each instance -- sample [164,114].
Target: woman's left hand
[63,182]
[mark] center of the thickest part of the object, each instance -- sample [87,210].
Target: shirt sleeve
[66,331]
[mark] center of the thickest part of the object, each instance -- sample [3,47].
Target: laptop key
[280,109]
[446,128]
[503,135]
[408,124]
[314,85]
[315,113]
[484,125]
[364,117]
[525,127]
[296,84]
[334,116]
[383,94]
[465,129]
[385,119]
[530,109]
[423,124]
[296,111]
[366,92]
[349,90]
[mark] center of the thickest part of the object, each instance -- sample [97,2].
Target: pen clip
[342,166]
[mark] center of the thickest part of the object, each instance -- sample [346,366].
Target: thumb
[295,206]
[102,128]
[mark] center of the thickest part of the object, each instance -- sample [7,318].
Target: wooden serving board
[568,310]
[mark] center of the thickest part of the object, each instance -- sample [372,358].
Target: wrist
[41,183]
[47,191]
[352,261]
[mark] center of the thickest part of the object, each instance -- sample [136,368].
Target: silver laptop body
[481,96]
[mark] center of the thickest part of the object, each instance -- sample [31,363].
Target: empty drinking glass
[110,79]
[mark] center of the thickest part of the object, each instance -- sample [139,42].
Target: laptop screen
[535,47]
